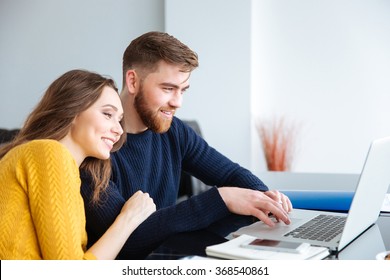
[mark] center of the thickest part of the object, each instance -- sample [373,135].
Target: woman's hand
[138,207]
[135,210]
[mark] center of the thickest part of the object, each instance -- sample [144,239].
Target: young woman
[74,127]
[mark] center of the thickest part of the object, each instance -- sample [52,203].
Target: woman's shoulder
[43,143]
[43,146]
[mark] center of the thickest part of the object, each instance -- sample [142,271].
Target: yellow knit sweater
[41,210]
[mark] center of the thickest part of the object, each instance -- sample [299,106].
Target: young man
[156,72]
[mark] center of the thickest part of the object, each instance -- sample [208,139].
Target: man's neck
[133,123]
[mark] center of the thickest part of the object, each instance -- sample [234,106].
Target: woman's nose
[118,129]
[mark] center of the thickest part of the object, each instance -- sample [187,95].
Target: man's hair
[145,52]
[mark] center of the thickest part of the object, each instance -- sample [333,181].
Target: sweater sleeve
[212,167]
[56,205]
[186,216]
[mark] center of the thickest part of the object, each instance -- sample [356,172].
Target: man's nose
[176,100]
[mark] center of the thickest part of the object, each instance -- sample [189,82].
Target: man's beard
[150,118]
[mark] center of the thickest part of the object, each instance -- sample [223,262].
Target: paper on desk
[232,250]
[386,204]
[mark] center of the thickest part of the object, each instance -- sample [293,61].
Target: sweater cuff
[217,206]
[89,256]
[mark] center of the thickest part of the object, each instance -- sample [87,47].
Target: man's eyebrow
[186,87]
[174,86]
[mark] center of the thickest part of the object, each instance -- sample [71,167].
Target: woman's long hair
[68,96]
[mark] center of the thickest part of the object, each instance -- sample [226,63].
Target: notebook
[233,250]
[365,207]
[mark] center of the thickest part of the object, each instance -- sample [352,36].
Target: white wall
[219,96]
[325,64]
[41,39]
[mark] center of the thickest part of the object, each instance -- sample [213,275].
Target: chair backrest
[6,135]
[190,185]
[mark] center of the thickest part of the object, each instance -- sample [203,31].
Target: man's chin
[162,127]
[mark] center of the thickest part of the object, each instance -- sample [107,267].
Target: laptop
[365,208]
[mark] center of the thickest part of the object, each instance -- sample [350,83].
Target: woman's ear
[131,81]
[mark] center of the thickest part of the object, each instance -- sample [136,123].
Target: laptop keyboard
[321,228]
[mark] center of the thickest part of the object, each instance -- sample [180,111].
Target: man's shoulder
[180,126]
[177,123]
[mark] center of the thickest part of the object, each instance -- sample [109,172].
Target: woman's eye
[109,115]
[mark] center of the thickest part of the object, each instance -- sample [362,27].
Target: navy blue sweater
[152,162]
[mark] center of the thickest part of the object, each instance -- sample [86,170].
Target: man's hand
[256,203]
[281,199]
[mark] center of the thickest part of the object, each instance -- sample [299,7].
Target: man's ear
[132,81]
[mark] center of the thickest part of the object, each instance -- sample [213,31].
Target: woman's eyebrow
[111,106]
